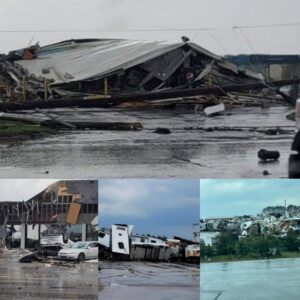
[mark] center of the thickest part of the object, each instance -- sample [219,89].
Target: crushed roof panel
[76,60]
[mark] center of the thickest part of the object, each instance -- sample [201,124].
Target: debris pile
[132,73]
[275,221]
[119,243]
[125,66]
[16,83]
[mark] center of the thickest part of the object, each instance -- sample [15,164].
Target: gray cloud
[22,189]
[156,14]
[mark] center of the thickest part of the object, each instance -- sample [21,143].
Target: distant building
[273,67]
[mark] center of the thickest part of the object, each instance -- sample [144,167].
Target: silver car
[80,251]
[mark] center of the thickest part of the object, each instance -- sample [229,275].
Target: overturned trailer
[118,243]
[115,243]
[149,248]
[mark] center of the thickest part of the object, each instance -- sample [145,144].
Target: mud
[146,280]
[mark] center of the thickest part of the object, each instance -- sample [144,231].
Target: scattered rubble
[16,83]
[274,220]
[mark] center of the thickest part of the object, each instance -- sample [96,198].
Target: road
[189,151]
[148,281]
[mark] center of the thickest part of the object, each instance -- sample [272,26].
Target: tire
[81,257]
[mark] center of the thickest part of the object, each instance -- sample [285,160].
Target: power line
[106,30]
[269,25]
[150,29]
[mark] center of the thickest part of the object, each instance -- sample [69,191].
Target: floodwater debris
[126,126]
[265,155]
[161,130]
[214,110]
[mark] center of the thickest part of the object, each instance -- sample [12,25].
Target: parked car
[80,251]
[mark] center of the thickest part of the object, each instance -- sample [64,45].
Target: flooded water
[44,281]
[147,281]
[189,151]
[252,280]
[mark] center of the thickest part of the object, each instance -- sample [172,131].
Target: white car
[80,251]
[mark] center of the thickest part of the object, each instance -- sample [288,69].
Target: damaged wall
[52,204]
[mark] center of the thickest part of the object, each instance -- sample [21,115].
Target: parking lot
[46,280]
[147,280]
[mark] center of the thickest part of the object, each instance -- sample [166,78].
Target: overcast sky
[229,197]
[22,189]
[70,15]
[155,206]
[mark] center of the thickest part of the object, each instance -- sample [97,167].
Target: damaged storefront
[64,211]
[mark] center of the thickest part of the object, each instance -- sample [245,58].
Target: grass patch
[17,128]
[289,254]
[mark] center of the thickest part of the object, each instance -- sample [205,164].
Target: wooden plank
[117,99]
[73,213]
[20,117]
[56,119]
[97,125]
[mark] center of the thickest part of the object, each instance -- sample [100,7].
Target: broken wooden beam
[149,96]
[96,125]
[20,117]
[56,120]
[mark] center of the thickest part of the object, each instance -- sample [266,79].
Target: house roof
[76,60]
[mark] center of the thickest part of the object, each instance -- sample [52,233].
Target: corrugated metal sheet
[77,60]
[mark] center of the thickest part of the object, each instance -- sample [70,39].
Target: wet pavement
[189,151]
[44,281]
[148,281]
[251,280]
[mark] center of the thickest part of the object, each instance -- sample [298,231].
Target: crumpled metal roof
[76,60]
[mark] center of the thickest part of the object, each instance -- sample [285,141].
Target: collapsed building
[64,211]
[116,66]
[119,243]
[275,221]
[79,72]
[272,67]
